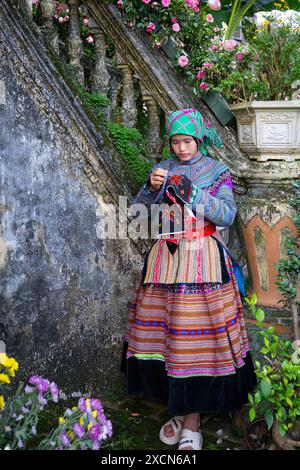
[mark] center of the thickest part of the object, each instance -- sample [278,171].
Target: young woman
[185,342]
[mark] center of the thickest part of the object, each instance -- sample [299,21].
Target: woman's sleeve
[221,208]
[147,197]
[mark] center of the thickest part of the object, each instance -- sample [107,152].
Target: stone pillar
[265,219]
[74,42]
[268,133]
[100,77]
[48,31]
[129,110]
[154,138]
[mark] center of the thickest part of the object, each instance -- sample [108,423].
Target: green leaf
[289,402]
[252,414]
[265,388]
[250,398]
[260,315]
[269,418]
[282,430]
[258,397]
[253,299]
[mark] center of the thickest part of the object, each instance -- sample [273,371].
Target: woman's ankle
[192,421]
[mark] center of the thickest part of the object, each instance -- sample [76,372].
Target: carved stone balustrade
[74,42]
[49,32]
[129,109]
[154,137]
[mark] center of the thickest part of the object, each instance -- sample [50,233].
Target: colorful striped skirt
[187,345]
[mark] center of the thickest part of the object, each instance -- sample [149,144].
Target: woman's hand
[157,178]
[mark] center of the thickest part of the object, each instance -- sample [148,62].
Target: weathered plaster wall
[63,290]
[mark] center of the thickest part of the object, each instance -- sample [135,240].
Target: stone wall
[63,289]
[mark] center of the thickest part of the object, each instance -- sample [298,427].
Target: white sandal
[176,424]
[191,439]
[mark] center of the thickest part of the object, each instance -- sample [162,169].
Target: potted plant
[257,79]
[277,397]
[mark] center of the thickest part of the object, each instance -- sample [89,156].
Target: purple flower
[25,410]
[82,405]
[43,386]
[20,444]
[28,389]
[35,379]
[78,429]
[64,439]
[96,404]
[94,432]
[96,446]
[33,430]
[109,428]
[42,400]
[54,391]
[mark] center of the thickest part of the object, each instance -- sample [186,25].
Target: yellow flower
[11,372]
[95,414]
[89,426]
[74,408]
[70,434]
[13,364]
[4,361]
[2,402]
[4,378]
[88,403]
[61,420]
[81,421]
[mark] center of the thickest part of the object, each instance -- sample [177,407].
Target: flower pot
[257,435]
[269,130]
[219,107]
[170,48]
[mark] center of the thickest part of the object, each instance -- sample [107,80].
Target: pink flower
[206,65]
[200,74]
[120,4]
[193,4]
[176,27]
[230,44]
[66,18]
[216,29]
[183,61]
[150,28]
[165,3]
[214,47]
[239,56]
[173,20]
[157,45]
[203,86]
[214,4]
[146,1]
[86,21]
[61,20]
[35,2]
[209,18]
[90,39]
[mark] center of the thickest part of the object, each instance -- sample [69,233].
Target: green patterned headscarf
[191,122]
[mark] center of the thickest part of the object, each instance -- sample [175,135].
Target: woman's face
[184,146]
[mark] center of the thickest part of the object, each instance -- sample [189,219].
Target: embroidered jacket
[211,185]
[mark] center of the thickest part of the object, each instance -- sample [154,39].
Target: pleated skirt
[187,345]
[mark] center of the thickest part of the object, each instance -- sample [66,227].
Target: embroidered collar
[192,160]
